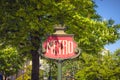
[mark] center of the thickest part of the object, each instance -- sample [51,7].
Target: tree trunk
[35,65]
[35,40]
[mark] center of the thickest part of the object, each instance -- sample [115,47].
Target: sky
[110,9]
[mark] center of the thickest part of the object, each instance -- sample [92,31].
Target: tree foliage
[98,68]
[24,19]
[117,52]
[10,61]
[24,23]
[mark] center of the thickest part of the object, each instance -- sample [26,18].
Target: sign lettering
[59,47]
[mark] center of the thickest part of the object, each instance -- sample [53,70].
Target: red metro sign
[59,47]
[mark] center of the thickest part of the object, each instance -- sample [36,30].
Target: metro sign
[60,47]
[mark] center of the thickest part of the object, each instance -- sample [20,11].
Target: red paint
[59,47]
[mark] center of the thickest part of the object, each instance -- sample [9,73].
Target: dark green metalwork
[59,70]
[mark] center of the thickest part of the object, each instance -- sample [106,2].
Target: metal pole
[59,70]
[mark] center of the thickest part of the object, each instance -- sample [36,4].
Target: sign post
[60,46]
[59,70]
